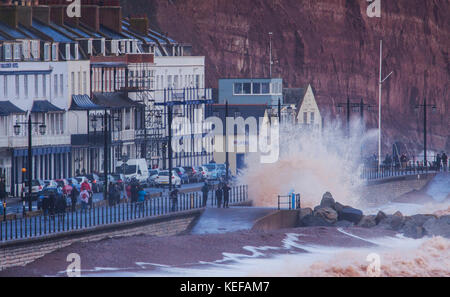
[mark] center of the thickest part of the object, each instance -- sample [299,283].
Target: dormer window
[54,52]
[68,52]
[46,52]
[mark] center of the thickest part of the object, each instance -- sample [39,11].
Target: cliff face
[331,44]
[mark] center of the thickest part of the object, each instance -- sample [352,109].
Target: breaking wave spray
[311,163]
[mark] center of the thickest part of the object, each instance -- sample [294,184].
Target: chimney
[139,24]
[57,13]
[25,15]
[42,13]
[111,17]
[90,16]
[9,15]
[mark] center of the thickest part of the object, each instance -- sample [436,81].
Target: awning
[83,102]
[7,108]
[45,106]
[114,100]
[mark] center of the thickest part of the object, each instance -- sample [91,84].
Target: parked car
[182,174]
[163,178]
[199,172]
[50,183]
[36,187]
[153,173]
[210,171]
[95,181]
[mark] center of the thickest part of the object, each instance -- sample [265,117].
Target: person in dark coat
[226,195]
[174,199]
[51,203]
[111,194]
[219,196]
[60,205]
[205,191]
[2,190]
[134,191]
[74,196]
[444,161]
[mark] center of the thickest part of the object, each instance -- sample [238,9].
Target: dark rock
[392,222]
[338,207]
[327,201]
[350,214]
[344,224]
[398,214]
[314,221]
[438,226]
[380,216]
[367,222]
[303,213]
[327,213]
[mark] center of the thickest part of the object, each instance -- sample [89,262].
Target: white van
[136,168]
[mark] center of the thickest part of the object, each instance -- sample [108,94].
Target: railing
[292,201]
[85,219]
[372,173]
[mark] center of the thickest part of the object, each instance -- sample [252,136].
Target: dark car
[190,172]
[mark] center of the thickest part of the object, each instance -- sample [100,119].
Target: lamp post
[434,109]
[42,129]
[348,105]
[106,118]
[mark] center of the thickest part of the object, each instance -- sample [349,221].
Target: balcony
[38,140]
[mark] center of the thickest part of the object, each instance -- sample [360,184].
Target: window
[44,85]
[35,49]
[46,52]
[265,88]
[76,51]
[89,45]
[61,84]
[256,88]
[25,85]
[237,88]
[169,81]
[79,82]
[17,85]
[7,51]
[305,118]
[197,81]
[55,84]
[247,88]
[175,81]
[73,82]
[54,52]
[102,46]
[84,82]
[16,51]
[312,118]
[5,84]
[36,86]
[68,52]
[26,49]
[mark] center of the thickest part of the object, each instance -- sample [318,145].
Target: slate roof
[44,106]
[7,108]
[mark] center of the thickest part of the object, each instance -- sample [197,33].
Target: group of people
[222,194]
[441,162]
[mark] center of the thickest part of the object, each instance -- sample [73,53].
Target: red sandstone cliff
[332,44]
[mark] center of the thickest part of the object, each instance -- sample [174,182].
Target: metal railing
[292,201]
[85,219]
[372,173]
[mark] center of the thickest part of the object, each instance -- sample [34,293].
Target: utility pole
[169,144]
[270,54]
[227,163]
[380,82]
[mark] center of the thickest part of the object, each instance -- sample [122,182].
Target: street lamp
[42,130]
[433,109]
[355,107]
